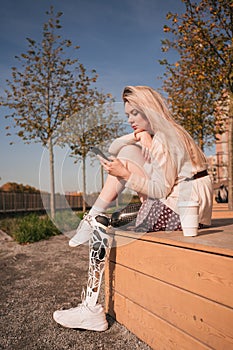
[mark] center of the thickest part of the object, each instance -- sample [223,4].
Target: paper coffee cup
[189,217]
[189,224]
[190,231]
[188,208]
[190,220]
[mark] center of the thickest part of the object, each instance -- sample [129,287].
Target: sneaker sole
[101,327]
[73,244]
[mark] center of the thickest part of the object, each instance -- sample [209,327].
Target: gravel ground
[37,279]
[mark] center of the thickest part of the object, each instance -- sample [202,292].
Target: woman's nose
[130,119]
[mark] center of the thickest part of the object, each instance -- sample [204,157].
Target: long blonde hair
[151,104]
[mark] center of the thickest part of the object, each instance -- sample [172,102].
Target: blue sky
[120,39]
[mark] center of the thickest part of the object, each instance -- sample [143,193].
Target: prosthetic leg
[89,314]
[99,246]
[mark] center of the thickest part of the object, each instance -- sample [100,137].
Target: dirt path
[37,279]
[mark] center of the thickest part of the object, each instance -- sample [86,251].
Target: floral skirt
[155,216]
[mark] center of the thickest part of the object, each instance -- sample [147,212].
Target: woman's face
[137,120]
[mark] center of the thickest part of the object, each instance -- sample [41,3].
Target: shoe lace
[88,218]
[83,305]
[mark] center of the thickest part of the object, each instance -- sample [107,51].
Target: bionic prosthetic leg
[99,246]
[89,314]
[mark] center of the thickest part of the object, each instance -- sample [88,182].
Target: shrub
[67,220]
[9,225]
[32,228]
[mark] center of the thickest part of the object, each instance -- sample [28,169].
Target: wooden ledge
[217,239]
[174,292]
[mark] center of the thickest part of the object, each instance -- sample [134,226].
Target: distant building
[222,146]
[74,193]
[218,163]
[212,167]
[222,158]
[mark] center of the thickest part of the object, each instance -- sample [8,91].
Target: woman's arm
[142,138]
[120,142]
[163,175]
[145,141]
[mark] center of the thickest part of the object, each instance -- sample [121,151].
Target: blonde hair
[150,103]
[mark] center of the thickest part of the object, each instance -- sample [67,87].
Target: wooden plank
[216,239]
[221,213]
[156,332]
[201,273]
[201,318]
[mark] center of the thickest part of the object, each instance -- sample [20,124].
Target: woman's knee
[131,153]
[131,156]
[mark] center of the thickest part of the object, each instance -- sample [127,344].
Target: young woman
[162,163]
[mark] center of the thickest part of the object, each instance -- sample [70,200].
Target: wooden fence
[11,202]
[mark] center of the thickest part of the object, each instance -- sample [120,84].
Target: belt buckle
[189,179]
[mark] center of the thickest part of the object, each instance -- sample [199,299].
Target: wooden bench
[174,292]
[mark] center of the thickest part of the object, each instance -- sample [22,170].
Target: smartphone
[98,152]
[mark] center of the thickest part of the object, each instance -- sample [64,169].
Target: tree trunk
[230,154]
[84,184]
[52,182]
[102,176]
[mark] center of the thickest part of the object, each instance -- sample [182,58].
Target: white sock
[95,211]
[99,207]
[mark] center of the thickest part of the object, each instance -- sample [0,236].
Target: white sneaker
[83,232]
[92,318]
[86,227]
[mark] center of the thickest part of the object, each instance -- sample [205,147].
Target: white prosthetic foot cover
[84,230]
[83,317]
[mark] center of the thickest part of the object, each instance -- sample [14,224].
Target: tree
[15,187]
[191,100]
[48,88]
[203,37]
[96,124]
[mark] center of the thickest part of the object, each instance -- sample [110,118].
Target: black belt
[197,175]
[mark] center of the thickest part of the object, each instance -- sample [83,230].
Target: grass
[33,228]
[29,228]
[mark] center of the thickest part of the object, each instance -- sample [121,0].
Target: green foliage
[66,220]
[48,86]
[15,187]
[32,228]
[202,36]
[96,124]
[9,224]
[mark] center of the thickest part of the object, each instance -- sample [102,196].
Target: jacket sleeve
[120,142]
[163,175]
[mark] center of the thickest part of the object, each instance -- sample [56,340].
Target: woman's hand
[115,168]
[145,140]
